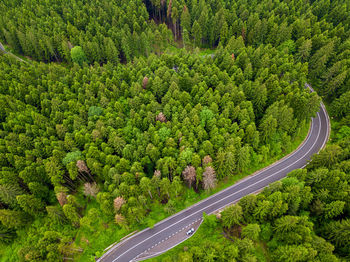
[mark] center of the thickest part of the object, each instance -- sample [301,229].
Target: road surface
[146,239]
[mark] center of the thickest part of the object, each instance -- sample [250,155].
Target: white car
[190,232]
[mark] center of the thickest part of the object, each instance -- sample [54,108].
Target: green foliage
[78,55]
[164,133]
[8,193]
[205,116]
[7,235]
[209,222]
[12,218]
[232,216]
[95,111]
[71,157]
[251,231]
[30,204]
[241,106]
[71,213]
[56,214]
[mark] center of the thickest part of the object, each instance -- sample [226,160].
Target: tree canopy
[129,108]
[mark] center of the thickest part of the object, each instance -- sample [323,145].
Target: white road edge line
[318,134]
[328,122]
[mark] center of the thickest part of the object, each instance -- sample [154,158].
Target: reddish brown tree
[62,198]
[161,117]
[157,173]
[206,160]
[144,82]
[118,202]
[82,167]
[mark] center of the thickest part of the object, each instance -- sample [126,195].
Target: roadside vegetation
[121,120]
[291,220]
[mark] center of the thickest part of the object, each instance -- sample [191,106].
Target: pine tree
[30,204]
[339,233]
[12,218]
[232,216]
[8,194]
[146,186]
[72,214]
[197,34]
[56,214]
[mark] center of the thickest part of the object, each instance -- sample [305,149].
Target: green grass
[199,51]
[261,252]
[93,243]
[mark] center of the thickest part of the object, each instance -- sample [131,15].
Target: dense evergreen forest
[119,118]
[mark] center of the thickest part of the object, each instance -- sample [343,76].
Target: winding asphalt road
[146,239]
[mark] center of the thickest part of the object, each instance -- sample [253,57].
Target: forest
[125,112]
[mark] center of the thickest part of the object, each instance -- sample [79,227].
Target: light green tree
[78,55]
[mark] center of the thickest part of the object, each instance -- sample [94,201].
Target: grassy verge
[199,51]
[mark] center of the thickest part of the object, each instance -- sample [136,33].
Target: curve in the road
[148,238]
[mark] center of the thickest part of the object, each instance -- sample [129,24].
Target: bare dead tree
[91,189]
[157,173]
[209,178]
[62,198]
[82,167]
[189,175]
[144,82]
[161,117]
[206,160]
[118,202]
[96,134]
[169,9]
